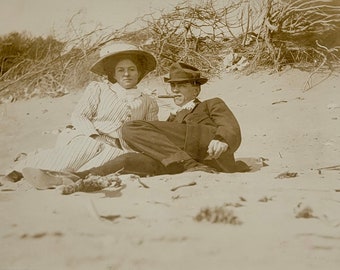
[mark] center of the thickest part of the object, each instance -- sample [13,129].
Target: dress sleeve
[152,110]
[86,110]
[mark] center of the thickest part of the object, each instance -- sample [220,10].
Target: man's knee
[129,128]
[126,130]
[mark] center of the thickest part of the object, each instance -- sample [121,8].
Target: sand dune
[257,220]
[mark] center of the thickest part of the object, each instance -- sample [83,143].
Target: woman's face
[126,74]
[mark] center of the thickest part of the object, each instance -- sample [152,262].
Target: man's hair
[196,83]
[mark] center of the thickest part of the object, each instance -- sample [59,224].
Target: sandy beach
[283,216]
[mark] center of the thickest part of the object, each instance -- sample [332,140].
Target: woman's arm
[86,110]
[152,109]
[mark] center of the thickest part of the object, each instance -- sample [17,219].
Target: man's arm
[228,130]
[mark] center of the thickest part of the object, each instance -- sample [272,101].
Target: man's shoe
[45,179]
[202,168]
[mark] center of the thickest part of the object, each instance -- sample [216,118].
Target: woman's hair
[110,66]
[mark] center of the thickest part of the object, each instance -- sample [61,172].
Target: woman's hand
[114,142]
[98,138]
[216,148]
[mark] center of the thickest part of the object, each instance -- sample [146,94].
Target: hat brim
[147,61]
[199,80]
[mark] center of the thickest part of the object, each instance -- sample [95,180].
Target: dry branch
[268,33]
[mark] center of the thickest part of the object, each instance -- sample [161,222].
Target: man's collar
[190,105]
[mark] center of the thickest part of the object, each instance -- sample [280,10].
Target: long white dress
[102,110]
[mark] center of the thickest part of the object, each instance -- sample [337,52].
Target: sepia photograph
[177,134]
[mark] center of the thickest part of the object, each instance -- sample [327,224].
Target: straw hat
[180,72]
[109,55]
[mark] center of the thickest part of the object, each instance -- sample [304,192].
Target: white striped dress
[102,110]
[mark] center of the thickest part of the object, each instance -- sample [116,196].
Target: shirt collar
[190,105]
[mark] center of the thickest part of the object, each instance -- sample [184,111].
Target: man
[201,136]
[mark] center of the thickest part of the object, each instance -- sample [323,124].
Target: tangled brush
[92,183]
[218,214]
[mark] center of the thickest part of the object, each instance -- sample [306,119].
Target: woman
[95,134]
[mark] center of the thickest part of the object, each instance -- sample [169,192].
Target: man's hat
[110,54]
[180,72]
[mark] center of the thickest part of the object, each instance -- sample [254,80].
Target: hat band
[185,77]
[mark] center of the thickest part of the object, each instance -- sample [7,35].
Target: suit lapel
[183,113]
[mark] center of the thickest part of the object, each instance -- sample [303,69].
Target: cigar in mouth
[168,96]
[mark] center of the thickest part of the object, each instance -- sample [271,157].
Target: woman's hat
[180,72]
[109,55]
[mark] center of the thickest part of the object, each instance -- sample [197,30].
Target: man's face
[187,91]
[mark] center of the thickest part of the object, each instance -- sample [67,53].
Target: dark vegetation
[269,34]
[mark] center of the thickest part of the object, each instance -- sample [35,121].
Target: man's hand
[216,148]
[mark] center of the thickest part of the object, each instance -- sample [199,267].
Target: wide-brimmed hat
[109,55]
[181,72]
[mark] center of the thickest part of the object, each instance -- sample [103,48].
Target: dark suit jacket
[210,119]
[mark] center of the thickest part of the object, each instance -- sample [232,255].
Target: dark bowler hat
[180,72]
